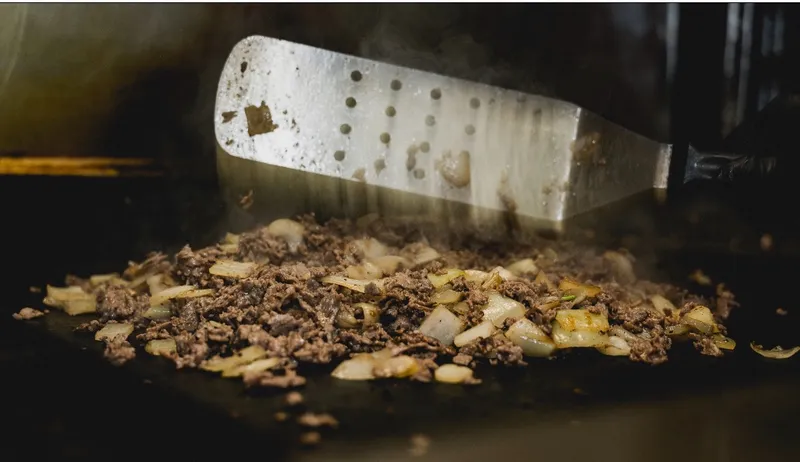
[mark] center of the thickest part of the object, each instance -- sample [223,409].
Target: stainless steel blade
[340,117]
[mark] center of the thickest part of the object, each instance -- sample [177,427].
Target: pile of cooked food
[381,300]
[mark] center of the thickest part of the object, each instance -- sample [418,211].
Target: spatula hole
[350,102]
[474,103]
[391,111]
[356,76]
[385,138]
[430,120]
[424,146]
[469,130]
[419,173]
[338,155]
[396,85]
[436,93]
[345,129]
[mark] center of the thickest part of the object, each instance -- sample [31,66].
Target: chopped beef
[26,314]
[288,309]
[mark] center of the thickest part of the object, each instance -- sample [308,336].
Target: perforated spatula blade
[374,134]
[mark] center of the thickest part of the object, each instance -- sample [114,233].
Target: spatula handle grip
[726,167]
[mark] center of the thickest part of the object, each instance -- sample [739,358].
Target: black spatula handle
[726,167]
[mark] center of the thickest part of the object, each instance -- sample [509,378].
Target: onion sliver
[245,356]
[357,285]
[617,346]
[158,313]
[442,325]
[439,280]
[501,308]
[369,314]
[568,284]
[196,293]
[701,319]
[425,255]
[259,365]
[113,330]
[577,338]
[571,320]
[482,330]
[165,347]
[358,368]
[446,297]
[232,269]
[452,373]
[169,294]
[775,353]
[397,367]
[366,271]
[526,266]
[531,338]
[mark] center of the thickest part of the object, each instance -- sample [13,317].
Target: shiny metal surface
[545,159]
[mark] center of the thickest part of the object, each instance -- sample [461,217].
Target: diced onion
[352,284]
[452,373]
[662,304]
[622,266]
[526,266]
[568,284]
[289,230]
[616,347]
[346,317]
[158,313]
[439,280]
[245,356]
[461,308]
[371,248]
[113,330]
[366,271]
[446,297]
[425,255]
[232,269]
[775,353]
[397,367]
[542,278]
[165,347]
[501,308]
[476,276]
[496,277]
[700,319]
[482,330]
[358,368]
[577,338]
[169,294]
[677,330]
[548,304]
[723,342]
[231,238]
[72,300]
[530,337]
[442,325]
[259,365]
[581,320]
[229,248]
[389,264]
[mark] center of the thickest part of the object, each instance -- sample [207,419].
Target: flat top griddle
[740,407]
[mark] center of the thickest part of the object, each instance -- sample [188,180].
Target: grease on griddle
[587,148]
[455,169]
[380,165]
[228,116]
[360,174]
[259,120]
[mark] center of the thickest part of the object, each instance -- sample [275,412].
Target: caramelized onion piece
[531,338]
[169,294]
[389,264]
[700,319]
[501,308]
[358,316]
[775,353]
[452,373]
[366,271]
[72,300]
[617,346]
[165,347]
[577,338]
[358,368]
[352,284]
[439,280]
[158,313]
[259,365]
[526,266]
[113,330]
[232,269]
[568,284]
[245,356]
[542,278]
[581,320]
[446,297]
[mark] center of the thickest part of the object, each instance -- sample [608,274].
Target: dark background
[139,81]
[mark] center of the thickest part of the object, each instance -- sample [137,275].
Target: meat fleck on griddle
[27,313]
[284,296]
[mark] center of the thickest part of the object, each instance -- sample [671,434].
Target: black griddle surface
[740,407]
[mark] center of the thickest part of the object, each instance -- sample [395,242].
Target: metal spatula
[369,136]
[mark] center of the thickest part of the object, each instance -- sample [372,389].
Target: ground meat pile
[260,305]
